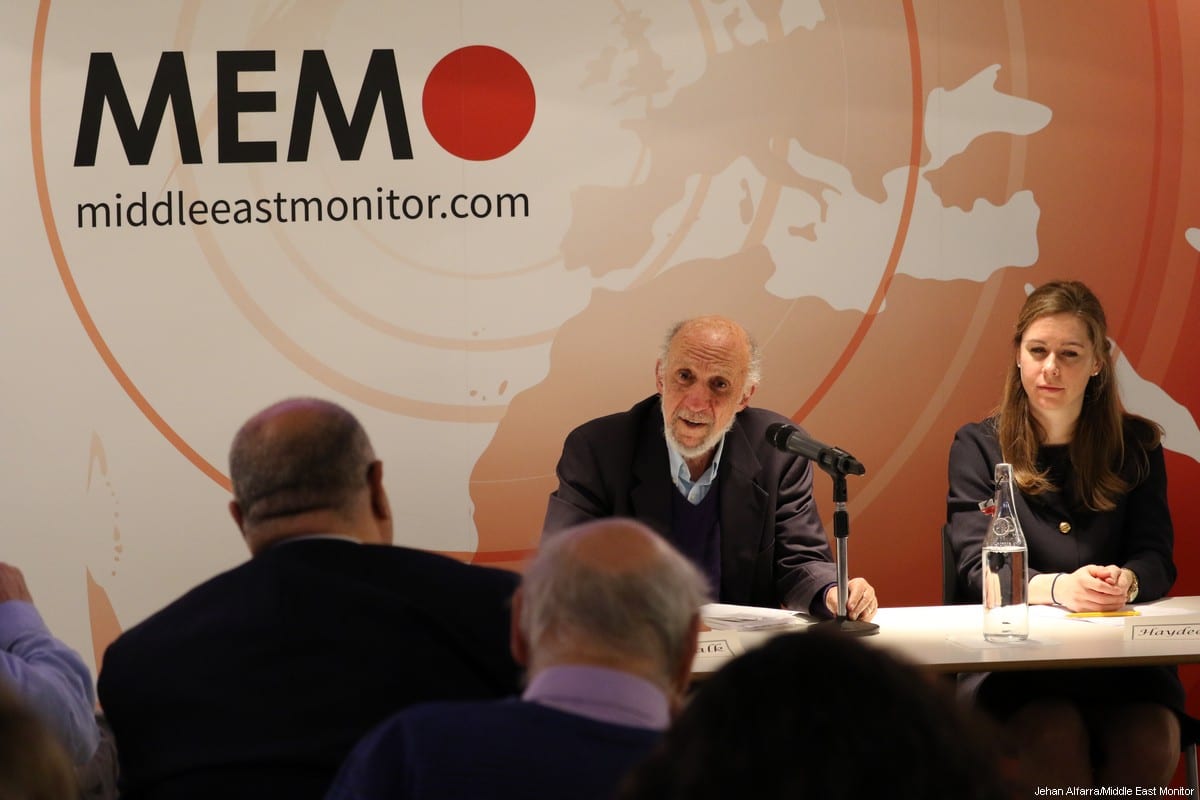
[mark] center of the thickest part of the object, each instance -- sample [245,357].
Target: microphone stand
[841,532]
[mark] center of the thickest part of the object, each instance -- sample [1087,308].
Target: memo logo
[478,103]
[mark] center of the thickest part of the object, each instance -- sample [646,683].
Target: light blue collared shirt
[49,677]
[681,476]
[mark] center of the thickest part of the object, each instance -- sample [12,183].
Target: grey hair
[317,467]
[753,361]
[643,612]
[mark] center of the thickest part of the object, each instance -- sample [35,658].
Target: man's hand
[860,600]
[12,584]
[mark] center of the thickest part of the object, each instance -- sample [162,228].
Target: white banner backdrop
[518,176]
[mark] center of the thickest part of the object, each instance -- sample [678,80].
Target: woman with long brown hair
[1092,501]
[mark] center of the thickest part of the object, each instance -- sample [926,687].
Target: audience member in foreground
[606,622]
[49,677]
[819,715]
[1093,506]
[693,462]
[33,765]
[257,683]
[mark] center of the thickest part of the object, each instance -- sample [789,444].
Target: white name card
[715,648]
[1164,629]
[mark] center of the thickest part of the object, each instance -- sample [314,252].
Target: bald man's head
[717,333]
[706,373]
[298,458]
[612,591]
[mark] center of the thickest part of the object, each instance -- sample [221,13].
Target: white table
[949,639]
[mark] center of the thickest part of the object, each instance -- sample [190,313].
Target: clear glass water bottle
[1005,567]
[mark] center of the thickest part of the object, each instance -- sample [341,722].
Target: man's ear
[658,376]
[379,502]
[746,397]
[516,639]
[381,509]
[235,511]
[255,543]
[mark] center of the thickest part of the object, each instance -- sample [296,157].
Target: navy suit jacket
[773,546]
[498,750]
[258,682]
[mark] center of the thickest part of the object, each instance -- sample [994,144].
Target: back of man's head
[303,460]
[802,715]
[612,593]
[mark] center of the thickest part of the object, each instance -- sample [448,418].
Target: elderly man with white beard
[693,462]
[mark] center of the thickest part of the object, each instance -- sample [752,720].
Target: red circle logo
[478,103]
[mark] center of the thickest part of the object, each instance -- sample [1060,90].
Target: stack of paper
[724,617]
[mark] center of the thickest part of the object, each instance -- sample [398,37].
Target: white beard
[708,444]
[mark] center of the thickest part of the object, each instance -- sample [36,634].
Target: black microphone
[830,459]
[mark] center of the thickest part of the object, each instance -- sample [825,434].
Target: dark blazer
[773,546]
[1136,534]
[257,683]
